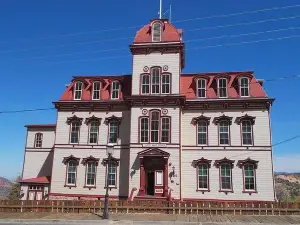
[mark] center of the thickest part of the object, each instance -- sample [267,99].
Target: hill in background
[5,187]
[287,186]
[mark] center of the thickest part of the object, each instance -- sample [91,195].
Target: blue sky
[37,59]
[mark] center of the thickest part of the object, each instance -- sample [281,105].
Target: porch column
[166,178]
[142,178]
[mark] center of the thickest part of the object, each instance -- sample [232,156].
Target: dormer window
[244,86]
[78,90]
[156,32]
[222,88]
[115,90]
[201,88]
[96,90]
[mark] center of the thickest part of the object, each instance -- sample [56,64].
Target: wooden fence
[205,207]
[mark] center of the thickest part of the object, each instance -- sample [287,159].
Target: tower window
[155,80]
[156,34]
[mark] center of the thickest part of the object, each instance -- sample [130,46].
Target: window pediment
[71,158]
[224,160]
[195,163]
[153,152]
[240,119]
[90,159]
[195,120]
[112,159]
[221,118]
[74,119]
[241,163]
[93,118]
[113,118]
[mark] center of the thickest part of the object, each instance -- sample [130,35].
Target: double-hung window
[165,83]
[78,90]
[203,174]
[244,86]
[94,129]
[165,129]
[201,88]
[112,174]
[224,132]
[226,176]
[74,136]
[246,132]
[222,87]
[38,140]
[91,173]
[96,90]
[154,127]
[156,32]
[202,132]
[155,81]
[145,84]
[113,131]
[71,173]
[115,90]
[249,177]
[144,130]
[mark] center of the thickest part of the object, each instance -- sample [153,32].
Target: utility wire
[178,21]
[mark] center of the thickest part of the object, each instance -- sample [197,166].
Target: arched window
[38,140]
[246,132]
[154,128]
[156,32]
[244,86]
[224,132]
[78,90]
[222,87]
[155,80]
[145,84]
[203,176]
[201,88]
[202,132]
[96,90]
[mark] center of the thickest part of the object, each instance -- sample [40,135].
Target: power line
[178,21]
[25,110]
[91,59]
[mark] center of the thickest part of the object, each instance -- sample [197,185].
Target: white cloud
[289,163]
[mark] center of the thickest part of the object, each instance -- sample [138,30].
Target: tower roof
[169,32]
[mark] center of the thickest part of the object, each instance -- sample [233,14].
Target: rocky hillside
[287,186]
[5,187]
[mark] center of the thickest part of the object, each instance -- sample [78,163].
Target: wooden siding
[48,137]
[37,164]
[63,129]
[264,176]
[59,172]
[261,130]
[156,59]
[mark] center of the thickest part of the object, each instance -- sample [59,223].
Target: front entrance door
[35,192]
[150,182]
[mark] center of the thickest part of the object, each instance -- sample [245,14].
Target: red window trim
[105,163]
[254,163]
[88,122]
[85,162]
[196,164]
[35,139]
[66,161]
[197,124]
[218,164]
[159,128]
[69,121]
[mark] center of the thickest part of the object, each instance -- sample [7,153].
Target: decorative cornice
[153,152]
[223,117]
[241,163]
[113,159]
[169,100]
[238,120]
[195,120]
[71,158]
[196,163]
[74,119]
[93,118]
[224,160]
[90,159]
[113,117]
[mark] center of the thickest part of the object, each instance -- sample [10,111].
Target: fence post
[62,206]
[197,207]
[22,206]
[52,206]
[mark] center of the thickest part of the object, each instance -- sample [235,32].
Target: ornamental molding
[71,158]
[195,120]
[242,163]
[240,119]
[217,120]
[112,159]
[196,163]
[224,160]
[93,118]
[90,159]
[74,118]
[111,118]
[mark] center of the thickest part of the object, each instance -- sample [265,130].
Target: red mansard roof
[37,180]
[188,84]
[169,32]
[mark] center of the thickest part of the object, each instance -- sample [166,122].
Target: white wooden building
[176,136]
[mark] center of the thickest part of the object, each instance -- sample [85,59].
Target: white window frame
[156,84]
[198,87]
[114,89]
[144,130]
[254,177]
[92,173]
[206,132]
[207,176]
[168,129]
[221,183]
[161,176]
[144,84]
[251,132]
[111,164]
[73,172]
[110,131]
[153,32]
[246,87]
[228,132]
[71,131]
[78,88]
[38,140]
[96,90]
[150,125]
[226,87]
[90,131]
[165,83]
